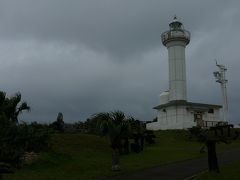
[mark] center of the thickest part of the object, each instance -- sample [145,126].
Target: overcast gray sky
[81,57]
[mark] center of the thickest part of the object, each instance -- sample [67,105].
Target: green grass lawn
[83,156]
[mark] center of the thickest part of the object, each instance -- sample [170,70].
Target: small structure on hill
[174,111]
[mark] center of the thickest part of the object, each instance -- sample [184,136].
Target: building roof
[188,104]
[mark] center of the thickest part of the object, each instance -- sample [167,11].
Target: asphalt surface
[180,170]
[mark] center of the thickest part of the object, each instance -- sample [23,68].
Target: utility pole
[221,78]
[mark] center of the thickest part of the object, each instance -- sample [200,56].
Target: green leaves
[10,108]
[12,140]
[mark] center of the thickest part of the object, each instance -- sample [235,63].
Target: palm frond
[24,106]
[117,116]
[16,99]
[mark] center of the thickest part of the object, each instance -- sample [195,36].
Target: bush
[35,136]
[149,137]
[11,145]
[17,139]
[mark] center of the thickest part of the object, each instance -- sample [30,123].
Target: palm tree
[115,126]
[11,144]
[11,108]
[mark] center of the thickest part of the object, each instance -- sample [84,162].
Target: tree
[115,126]
[11,142]
[58,125]
[11,108]
[219,133]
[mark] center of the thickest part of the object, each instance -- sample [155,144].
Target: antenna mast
[221,78]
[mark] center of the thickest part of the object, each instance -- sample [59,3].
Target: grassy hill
[84,156]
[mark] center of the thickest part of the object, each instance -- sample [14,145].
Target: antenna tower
[221,78]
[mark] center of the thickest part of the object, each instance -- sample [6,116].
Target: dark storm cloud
[113,26]
[82,57]
[118,27]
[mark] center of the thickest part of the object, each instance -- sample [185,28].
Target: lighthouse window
[211,111]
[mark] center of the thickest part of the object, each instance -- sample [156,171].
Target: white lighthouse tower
[174,111]
[176,39]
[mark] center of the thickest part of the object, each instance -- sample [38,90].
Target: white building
[174,111]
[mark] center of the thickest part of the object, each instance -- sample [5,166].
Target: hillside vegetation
[84,156]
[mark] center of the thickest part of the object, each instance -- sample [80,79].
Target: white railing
[213,123]
[175,34]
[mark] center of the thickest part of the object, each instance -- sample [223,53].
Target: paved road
[179,170]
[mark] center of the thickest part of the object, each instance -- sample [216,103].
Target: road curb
[195,175]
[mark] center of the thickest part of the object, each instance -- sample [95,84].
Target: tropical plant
[11,107]
[116,127]
[11,141]
[220,133]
